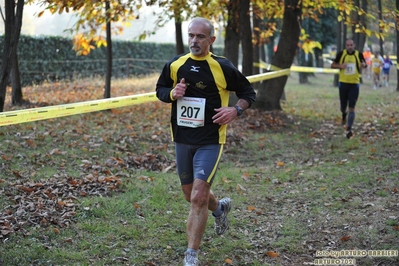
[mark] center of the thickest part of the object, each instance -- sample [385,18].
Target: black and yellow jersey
[351,74]
[211,78]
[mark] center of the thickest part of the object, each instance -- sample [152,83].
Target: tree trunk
[362,37]
[303,77]
[397,46]
[107,89]
[339,48]
[232,39]
[12,31]
[381,19]
[16,97]
[318,55]
[246,38]
[257,44]
[256,21]
[179,34]
[268,98]
[355,18]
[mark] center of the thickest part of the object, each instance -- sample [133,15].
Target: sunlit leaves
[92,18]
[82,45]
[346,11]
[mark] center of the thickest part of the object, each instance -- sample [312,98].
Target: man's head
[350,45]
[200,36]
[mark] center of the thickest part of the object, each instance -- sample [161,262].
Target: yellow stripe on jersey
[220,80]
[221,84]
[175,66]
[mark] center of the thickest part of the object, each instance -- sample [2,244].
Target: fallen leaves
[280,164]
[251,208]
[345,238]
[49,202]
[272,254]
[228,261]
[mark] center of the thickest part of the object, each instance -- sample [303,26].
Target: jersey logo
[200,85]
[194,68]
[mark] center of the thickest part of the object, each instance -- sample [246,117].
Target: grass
[297,187]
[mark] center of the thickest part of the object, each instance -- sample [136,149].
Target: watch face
[239,110]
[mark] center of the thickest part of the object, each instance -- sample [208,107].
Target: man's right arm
[335,64]
[164,86]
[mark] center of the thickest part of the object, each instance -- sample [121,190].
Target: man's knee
[200,193]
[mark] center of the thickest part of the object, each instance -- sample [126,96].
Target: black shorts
[197,161]
[348,95]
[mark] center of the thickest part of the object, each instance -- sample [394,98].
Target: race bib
[386,65]
[191,112]
[350,69]
[376,64]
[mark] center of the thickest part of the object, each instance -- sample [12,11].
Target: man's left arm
[245,93]
[363,63]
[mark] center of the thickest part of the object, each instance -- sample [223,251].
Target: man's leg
[343,98]
[198,216]
[353,96]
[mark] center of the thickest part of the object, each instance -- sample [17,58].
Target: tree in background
[93,18]
[246,37]
[318,32]
[232,35]
[397,45]
[360,19]
[268,97]
[12,26]
[178,10]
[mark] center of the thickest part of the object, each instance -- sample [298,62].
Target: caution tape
[269,75]
[298,68]
[35,114]
[314,69]
[266,66]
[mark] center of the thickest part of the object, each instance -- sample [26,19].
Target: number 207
[190,112]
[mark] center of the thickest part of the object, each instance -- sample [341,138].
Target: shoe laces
[191,258]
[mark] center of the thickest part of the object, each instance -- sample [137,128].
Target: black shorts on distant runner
[348,95]
[197,162]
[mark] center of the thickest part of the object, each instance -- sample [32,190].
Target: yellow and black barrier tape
[42,113]
[266,66]
[269,75]
[35,114]
[298,68]
[314,69]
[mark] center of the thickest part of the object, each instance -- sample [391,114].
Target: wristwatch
[239,110]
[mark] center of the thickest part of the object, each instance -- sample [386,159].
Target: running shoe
[349,134]
[221,222]
[190,258]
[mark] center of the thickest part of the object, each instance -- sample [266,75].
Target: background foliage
[52,58]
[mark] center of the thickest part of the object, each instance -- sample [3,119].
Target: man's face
[350,46]
[199,40]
